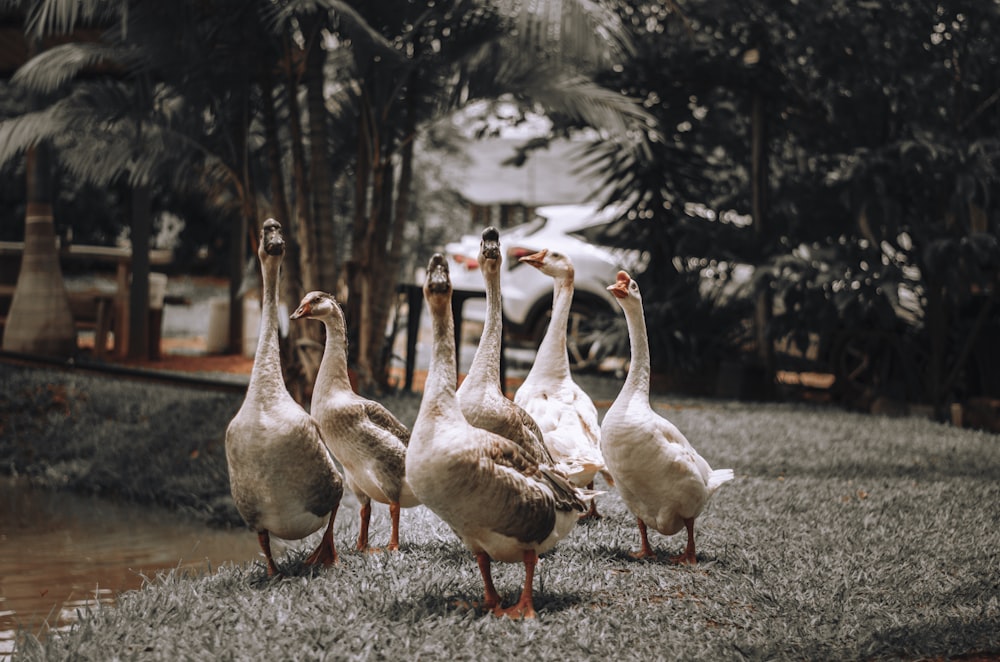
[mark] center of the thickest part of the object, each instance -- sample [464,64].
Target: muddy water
[61,552]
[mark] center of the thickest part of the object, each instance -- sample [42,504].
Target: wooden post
[137,339]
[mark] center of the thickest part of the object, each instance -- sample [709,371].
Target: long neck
[439,389]
[552,357]
[266,374]
[333,374]
[485,368]
[638,370]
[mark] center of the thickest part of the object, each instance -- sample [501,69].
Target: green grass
[843,536]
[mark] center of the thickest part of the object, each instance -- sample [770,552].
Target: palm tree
[127,125]
[445,57]
[39,319]
[215,112]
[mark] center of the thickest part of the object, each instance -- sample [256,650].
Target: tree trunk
[302,206]
[39,320]
[299,375]
[381,289]
[363,274]
[319,168]
[390,275]
[763,305]
[936,315]
[356,267]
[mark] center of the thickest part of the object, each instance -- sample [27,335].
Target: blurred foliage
[879,124]
[881,154]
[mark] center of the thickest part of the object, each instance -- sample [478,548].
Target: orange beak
[535,259]
[620,288]
[301,311]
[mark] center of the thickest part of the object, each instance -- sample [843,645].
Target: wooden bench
[92,309]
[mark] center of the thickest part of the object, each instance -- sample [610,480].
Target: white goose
[483,401]
[564,412]
[364,436]
[502,503]
[282,477]
[661,477]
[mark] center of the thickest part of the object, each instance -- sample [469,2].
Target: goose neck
[486,363]
[552,351]
[440,387]
[266,373]
[639,365]
[333,374]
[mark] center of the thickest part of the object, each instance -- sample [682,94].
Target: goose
[364,436]
[661,477]
[565,413]
[282,477]
[499,500]
[480,394]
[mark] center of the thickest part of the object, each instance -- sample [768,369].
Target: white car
[527,292]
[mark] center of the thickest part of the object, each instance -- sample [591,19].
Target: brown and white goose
[565,413]
[364,436]
[282,476]
[483,401]
[661,477]
[502,503]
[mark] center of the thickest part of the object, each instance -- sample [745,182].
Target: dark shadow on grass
[663,555]
[965,466]
[945,637]
[290,566]
[431,604]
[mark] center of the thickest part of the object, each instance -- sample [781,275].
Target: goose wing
[386,420]
[526,494]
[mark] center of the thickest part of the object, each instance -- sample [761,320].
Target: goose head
[319,306]
[490,257]
[437,284]
[551,263]
[625,289]
[272,242]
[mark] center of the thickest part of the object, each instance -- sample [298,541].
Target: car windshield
[602,234]
[529,228]
[596,234]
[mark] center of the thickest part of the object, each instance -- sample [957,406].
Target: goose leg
[525,607]
[491,599]
[394,536]
[688,557]
[264,539]
[366,516]
[325,553]
[646,551]
[592,513]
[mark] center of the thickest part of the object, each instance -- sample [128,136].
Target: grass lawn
[843,536]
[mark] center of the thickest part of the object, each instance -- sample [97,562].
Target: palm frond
[352,24]
[580,98]
[48,71]
[48,17]
[572,31]
[21,133]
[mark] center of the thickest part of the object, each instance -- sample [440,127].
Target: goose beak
[302,311]
[271,239]
[620,288]
[490,246]
[535,259]
[438,279]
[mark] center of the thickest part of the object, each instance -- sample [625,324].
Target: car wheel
[584,334]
